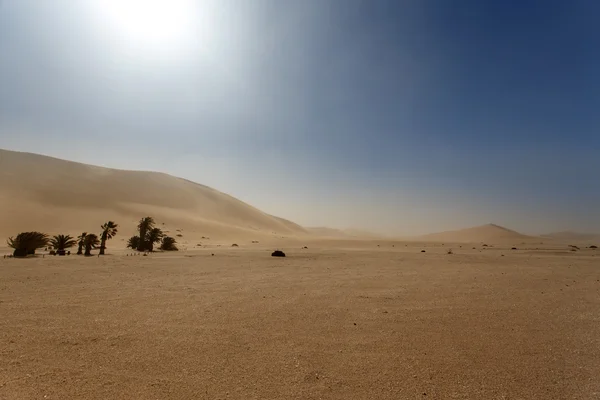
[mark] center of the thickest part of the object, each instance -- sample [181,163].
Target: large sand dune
[486,233]
[57,196]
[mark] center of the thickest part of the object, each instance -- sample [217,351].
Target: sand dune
[575,237]
[325,232]
[486,233]
[53,195]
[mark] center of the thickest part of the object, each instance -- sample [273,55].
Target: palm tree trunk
[102,245]
[142,244]
[88,250]
[80,249]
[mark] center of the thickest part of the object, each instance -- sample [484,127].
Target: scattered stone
[234,245]
[484,245]
[212,254]
[513,248]
[422,251]
[278,253]
[593,246]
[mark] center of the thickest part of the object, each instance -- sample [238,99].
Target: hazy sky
[394,116]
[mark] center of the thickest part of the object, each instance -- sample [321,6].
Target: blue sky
[400,117]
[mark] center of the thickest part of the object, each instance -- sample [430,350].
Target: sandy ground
[327,322]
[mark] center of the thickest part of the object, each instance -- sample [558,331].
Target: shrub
[133,242]
[62,242]
[168,244]
[26,243]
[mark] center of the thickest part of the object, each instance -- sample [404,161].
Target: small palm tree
[81,242]
[133,242]
[27,243]
[145,225]
[62,242]
[109,230]
[155,235]
[168,244]
[90,242]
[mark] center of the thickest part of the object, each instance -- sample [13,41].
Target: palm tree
[62,242]
[90,242]
[168,244]
[133,242]
[109,230]
[81,242]
[144,227]
[155,235]
[27,242]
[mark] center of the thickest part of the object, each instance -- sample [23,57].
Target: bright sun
[149,23]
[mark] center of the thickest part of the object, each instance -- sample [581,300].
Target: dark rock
[278,253]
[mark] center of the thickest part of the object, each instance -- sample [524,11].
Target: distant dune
[486,233]
[57,196]
[569,236]
[325,232]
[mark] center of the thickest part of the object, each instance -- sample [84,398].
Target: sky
[398,117]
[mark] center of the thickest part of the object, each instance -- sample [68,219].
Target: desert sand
[343,318]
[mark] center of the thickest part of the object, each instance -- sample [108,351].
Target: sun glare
[152,24]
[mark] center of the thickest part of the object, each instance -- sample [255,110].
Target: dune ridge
[484,233]
[53,195]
